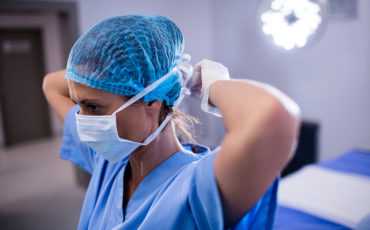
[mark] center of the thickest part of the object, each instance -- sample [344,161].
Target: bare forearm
[55,89]
[256,112]
[262,126]
[246,104]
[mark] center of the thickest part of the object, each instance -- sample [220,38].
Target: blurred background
[329,78]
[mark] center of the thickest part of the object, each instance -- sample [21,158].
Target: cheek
[132,124]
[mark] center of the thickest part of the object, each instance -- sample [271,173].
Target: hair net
[125,54]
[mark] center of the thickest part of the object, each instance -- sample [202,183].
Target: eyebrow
[84,101]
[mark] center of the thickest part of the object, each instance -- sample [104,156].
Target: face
[135,123]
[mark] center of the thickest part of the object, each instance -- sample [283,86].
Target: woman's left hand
[193,82]
[206,73]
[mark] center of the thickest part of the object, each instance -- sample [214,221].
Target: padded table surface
[354,161]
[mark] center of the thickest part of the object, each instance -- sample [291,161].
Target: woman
[126,75]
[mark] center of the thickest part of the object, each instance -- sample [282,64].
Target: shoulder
[197,149]
[70,118]
[195,186]
[196,167]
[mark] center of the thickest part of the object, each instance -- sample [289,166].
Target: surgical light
[291,23]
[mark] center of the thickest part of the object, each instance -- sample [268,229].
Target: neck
[146,158]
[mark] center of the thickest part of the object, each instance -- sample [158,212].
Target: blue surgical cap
[125,54]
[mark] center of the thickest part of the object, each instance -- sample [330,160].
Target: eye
[92,108]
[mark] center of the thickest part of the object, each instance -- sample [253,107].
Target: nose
[82,112]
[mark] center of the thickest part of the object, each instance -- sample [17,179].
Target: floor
[38,190]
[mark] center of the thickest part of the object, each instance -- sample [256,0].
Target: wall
[49,24]
[330,80]
[193,17]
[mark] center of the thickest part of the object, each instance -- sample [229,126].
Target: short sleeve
[72,148]
[206,207]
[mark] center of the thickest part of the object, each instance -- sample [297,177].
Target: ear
[153,107]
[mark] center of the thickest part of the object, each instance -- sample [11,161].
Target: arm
[55,88]
[261,130]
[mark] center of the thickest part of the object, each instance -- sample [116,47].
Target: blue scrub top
[180,193]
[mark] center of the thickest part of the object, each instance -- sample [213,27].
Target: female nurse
[117,98]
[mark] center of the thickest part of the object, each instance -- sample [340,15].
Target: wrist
[207,104]
[213,92]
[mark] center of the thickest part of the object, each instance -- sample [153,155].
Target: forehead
[80,92]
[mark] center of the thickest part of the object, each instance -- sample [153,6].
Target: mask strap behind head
[183,62]
[166,120]
[145,91]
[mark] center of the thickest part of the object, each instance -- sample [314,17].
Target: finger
[195,80]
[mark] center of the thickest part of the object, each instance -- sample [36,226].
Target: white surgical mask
[100,132]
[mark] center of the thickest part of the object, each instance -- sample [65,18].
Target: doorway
[24,109]
[57,23]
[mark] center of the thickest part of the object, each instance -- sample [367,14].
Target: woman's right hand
[56,91]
